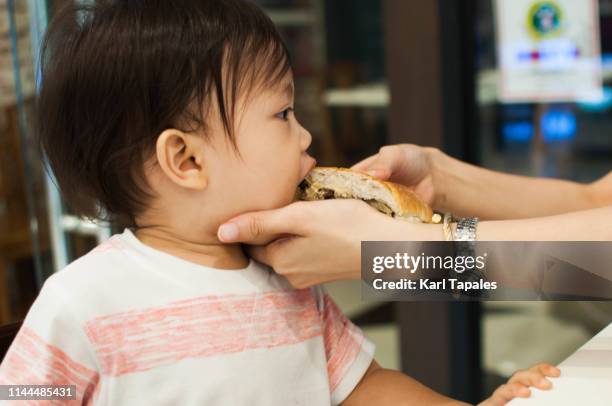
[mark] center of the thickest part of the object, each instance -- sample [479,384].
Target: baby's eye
[284,115]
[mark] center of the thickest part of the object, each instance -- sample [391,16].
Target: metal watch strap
[466,229]
[465,237]
[465,246]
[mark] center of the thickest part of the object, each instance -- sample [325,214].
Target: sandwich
[389,198]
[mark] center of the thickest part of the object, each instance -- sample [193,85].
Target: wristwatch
[465,246]
[466,229]
[465,239]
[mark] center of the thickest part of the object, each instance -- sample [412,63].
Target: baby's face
[272,144]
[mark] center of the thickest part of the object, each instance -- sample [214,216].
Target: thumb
[379,172]
[261,227]
[373,166]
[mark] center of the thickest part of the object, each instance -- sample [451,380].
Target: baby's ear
[181,158]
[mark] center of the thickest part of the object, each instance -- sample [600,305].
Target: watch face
[466,229]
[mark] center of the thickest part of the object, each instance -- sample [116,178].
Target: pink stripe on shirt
[32,361]
[342,342]
[140,340]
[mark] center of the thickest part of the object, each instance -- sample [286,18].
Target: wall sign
[548,50]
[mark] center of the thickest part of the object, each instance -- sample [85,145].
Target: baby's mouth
[311,164]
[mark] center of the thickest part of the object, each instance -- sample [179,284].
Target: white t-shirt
[132,325]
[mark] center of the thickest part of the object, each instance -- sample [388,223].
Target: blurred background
[370,73]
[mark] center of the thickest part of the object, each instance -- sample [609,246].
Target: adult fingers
[261,253]
[263,226]
[374,166]
[365,163]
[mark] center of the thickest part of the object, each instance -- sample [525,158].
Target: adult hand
[312,242]
[410,165]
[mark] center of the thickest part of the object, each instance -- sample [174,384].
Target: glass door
[556,139]
[25,259]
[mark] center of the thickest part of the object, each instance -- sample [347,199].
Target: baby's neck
[207,251]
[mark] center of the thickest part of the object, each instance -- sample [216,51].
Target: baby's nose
[306,139]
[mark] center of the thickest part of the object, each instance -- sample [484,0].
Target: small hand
[518,385]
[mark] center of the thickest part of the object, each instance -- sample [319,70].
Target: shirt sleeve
[349,353]
[51,348]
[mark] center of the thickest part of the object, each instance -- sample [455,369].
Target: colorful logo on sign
[544,19]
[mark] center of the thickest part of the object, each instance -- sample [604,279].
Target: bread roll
[390,198]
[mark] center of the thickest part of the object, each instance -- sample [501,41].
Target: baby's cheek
[288,192]
[277,189]
[283,195]
[273,193]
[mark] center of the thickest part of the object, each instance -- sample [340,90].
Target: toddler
[171,117]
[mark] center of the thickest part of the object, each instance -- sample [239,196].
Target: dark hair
[118,73]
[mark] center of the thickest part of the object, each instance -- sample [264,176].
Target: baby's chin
[292,196]
[296,195]
[288,195]
[277,202]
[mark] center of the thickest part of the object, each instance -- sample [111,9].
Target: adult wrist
[598,193]
[438,164]
[407,231]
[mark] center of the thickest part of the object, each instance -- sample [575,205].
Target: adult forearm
[468,190]
[586,225]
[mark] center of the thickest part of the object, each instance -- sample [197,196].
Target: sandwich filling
[315,191]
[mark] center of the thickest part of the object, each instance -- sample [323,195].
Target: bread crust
[410,205]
